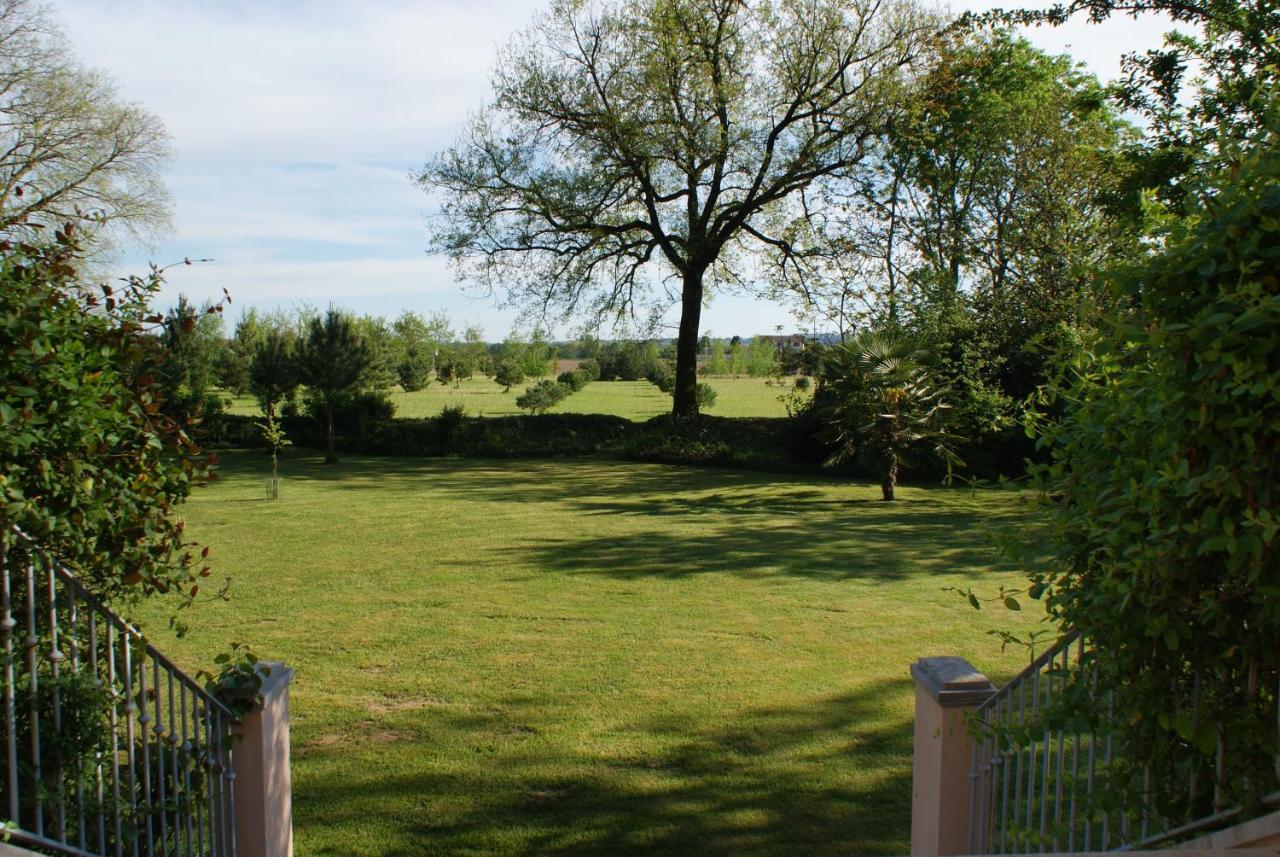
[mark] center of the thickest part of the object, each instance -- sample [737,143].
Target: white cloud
[298,81]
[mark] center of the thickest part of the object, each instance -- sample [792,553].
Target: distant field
[634,400]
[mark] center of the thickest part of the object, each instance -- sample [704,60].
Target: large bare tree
[70,148]
[637,141]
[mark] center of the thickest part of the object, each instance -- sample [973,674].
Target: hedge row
[760,443]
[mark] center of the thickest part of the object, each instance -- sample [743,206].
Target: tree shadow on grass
[704,520]
[831,777]
[880,551]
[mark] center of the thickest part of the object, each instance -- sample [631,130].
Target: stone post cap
[952,681]
[276,677]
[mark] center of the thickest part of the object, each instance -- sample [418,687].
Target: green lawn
[592,657]
[635,400]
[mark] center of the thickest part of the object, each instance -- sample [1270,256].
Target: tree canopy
[70,148]
[632,141]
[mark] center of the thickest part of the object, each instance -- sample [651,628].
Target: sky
[297,125]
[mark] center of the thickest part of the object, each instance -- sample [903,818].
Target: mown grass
[633,400]
[593,657]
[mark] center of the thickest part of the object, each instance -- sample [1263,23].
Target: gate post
[263,787]
[947,688]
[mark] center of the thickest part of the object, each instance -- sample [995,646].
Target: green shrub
[574,380]
[414,371]
[590,368]
[502,437]
[541,396]
[1167,532]
[662,376]
[627,360]
[706,395]
[353,413]
[87,470]
[449,425]
[803,383]
[508,373]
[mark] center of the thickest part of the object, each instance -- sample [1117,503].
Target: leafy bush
[353,413]
[541,396]
[502,437]
[706,395]
[89,468]
[507,374]
[414,370]
[627,360]
[803,383]
[590,368]
[1165,461]
[755,442]
[662,376]
[449,425]
[453,369]
[883,404]
[575,380]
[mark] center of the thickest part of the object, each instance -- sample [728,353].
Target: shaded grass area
[633,400]
[594,657]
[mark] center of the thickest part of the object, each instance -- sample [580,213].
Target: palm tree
[884,406]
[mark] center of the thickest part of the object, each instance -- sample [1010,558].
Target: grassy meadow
[634,400]
[591,657]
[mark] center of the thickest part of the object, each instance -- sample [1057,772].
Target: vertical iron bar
[1017,780]
[1045,788]
[989,788]
[214,781]
[1032,757]
[1106,763]
[1075,760]
[73,618]
[146,807]
[10,702]
[174,746]
[186,767]
[37,775]
[1061,738]
[100,792]
[1004,765]
[158,730]
[196,720]
[222,782]
[55,656]
[1092,764]
[126,645]
[229,761]
[115,737]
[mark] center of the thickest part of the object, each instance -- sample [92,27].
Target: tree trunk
[332,456]
[888,477]
[684,404]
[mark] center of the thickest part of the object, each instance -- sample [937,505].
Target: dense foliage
[91,467]
[882,405]
[332,361]
[1165,460]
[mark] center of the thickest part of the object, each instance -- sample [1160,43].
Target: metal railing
[1048,777]
[109,748]
[1028,777]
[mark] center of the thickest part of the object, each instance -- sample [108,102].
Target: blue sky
[296,126]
